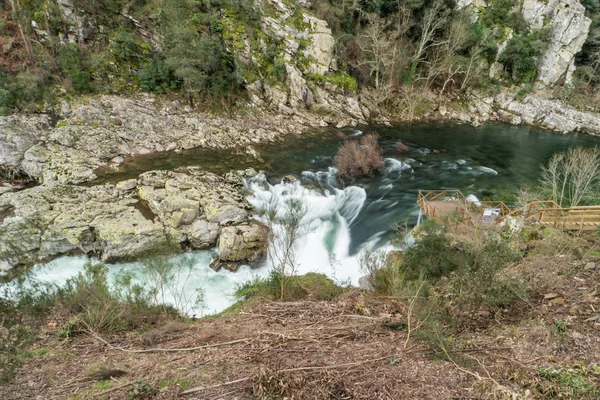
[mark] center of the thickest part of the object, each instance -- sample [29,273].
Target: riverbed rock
[188,207]
[17,135]
[51,220]
[533,109]
[242,244]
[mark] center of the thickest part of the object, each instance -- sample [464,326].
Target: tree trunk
[16,9]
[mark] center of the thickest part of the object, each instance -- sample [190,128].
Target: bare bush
[572,175]
[354,160]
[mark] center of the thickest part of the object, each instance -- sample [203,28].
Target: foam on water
[218,287]
[323,246]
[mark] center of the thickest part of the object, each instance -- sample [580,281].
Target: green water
[490,162]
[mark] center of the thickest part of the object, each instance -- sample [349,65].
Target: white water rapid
[323,247]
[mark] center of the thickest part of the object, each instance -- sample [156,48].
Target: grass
[310,286]
[572,382]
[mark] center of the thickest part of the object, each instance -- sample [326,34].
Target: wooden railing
[458,210]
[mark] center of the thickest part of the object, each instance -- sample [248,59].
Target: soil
[349,348]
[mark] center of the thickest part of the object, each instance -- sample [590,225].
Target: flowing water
[489,162]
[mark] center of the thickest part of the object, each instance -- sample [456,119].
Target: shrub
[353,161]
[434,255]
[310,286]
[157,78]
[520,58]
[72,61]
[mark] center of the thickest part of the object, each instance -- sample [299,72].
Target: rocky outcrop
[568,27]
[95,130]
[532,109]
[241,244]
[187,207]
[307,48]
[569,31]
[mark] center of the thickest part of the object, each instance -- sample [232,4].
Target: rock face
[188,207]
[241,244]
[307,48]
[569,29]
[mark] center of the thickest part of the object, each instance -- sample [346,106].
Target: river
[490,162]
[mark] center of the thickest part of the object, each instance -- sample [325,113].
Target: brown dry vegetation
[354,160]
[348,348]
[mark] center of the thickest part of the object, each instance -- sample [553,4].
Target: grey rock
[242,244]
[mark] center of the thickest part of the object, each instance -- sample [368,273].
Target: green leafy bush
[521,56]
[312,285]
[72,61]
[157,78]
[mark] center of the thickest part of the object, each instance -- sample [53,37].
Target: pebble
[590,266]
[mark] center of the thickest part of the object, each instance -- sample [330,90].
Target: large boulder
[242,244]
[51,220]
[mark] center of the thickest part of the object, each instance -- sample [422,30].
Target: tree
[17,16]
[199,59]
[434,19]
[381,52]
[285,228]
[573,175]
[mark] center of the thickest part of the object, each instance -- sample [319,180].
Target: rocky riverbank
[188,207]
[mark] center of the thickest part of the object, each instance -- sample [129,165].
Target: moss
[342,80]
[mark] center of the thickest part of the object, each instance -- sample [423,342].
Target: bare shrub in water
[354,160]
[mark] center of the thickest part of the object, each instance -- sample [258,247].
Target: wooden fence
[461,214]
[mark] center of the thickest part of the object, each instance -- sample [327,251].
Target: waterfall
[323,247]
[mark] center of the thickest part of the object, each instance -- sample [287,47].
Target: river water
[490,162]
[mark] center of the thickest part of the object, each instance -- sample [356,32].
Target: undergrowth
[298,287]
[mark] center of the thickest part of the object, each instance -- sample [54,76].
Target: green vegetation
[399,55]
[452,279]
[298,287]
[90,305]
[521,55]
[575,382]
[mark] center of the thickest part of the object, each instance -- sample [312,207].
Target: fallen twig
[201,388]
[160,350]
[114,388]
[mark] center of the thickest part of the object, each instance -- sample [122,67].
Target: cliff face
[568,30]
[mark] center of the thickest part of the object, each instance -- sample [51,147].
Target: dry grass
[350,348]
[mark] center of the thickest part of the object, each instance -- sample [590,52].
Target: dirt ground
[352,348]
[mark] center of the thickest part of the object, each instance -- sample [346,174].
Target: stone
[590,266]
[203,234]
[550,296]
[365,283]
[129,184]
[242,244]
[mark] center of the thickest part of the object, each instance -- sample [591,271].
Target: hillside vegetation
[398,54]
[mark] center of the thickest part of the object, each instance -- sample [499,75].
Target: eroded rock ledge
[187,207]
